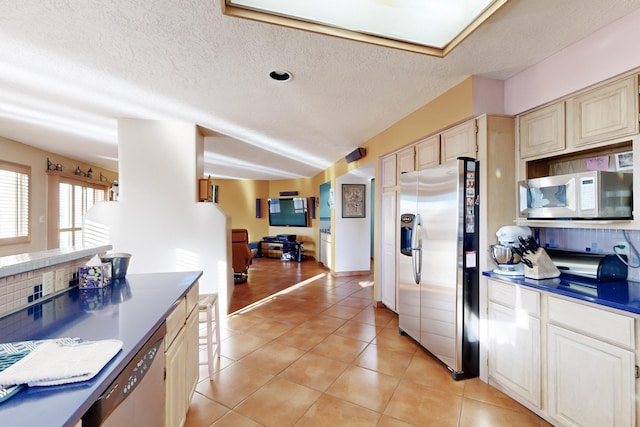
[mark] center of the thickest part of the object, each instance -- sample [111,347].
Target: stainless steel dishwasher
[136,397]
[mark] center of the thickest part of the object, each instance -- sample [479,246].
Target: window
[14,203]
[75,199]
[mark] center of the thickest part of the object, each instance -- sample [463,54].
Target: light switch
[59,281]
[47,283]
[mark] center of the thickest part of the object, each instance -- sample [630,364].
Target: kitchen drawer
[612,327]
[192,298]
[515,296]
[175,321]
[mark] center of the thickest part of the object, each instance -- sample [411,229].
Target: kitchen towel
[12,352]
[54,362]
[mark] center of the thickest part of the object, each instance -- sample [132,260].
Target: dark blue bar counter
[130,310]
[622,294]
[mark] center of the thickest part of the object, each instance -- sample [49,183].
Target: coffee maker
[504,253]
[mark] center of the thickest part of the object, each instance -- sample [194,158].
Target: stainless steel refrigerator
[438,263]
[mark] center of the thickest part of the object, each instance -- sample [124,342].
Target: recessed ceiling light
[281,76]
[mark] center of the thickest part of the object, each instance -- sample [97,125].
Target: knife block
[543,266]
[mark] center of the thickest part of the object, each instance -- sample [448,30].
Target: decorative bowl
[119,263]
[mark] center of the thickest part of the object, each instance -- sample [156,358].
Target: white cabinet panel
[389,171]
[428,153]
[514,340]
[406,160]
[459,141]
[388,287]
[612,327]
[175,382]
[591,383]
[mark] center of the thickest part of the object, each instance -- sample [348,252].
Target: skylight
[432,27]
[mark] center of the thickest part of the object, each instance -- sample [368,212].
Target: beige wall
[453,106]
[238,199]
[16,152]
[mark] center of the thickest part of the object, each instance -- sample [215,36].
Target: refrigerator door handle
[416,248]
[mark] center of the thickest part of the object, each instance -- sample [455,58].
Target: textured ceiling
[70,68]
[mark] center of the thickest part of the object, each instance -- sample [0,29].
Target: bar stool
[209,304]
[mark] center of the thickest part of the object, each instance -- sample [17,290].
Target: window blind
[14,203]
[75,199]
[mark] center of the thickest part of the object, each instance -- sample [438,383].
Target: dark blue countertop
[622,294]
[130,310]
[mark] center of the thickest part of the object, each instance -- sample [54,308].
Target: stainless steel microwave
[585,195]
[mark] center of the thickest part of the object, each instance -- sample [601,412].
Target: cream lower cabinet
[570,362]
[514,336]
[591,383]
[181,358]
[193,348]
[175,359]
[591,366]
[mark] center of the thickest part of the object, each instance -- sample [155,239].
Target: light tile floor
[320,354]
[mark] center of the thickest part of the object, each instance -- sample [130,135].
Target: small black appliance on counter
[602,267]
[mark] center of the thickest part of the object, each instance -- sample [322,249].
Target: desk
[284,249]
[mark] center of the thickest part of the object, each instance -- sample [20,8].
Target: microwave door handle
[572,202]
[525,198]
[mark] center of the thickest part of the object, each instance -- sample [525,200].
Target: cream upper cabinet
[389,171]
[406,160]
[428,152]
[542,131]
[459,141]
[607,112]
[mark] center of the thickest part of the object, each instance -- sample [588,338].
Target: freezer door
[408,289]
[440,206]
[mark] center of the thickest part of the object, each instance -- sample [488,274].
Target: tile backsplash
[23,289]
[599,241]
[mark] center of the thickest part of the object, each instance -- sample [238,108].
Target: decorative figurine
[114,190]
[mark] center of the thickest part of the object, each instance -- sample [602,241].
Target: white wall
[606,53]
[157,218]
[353,241]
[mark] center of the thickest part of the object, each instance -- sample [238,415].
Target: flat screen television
[288,212]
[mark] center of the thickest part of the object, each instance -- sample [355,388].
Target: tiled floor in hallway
[320,354]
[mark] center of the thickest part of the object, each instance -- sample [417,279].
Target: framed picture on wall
[353,197]
[624,161]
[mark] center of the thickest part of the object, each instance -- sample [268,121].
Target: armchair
[242,254]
